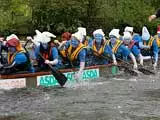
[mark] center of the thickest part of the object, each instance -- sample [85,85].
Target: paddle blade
[146,71]
[114,70]
[60,77]
[129,70]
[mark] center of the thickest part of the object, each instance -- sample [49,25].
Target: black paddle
[60,77]
[140,68]
[132,72]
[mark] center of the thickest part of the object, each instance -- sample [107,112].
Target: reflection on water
[122,98]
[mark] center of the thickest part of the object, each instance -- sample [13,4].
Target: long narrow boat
[47,79]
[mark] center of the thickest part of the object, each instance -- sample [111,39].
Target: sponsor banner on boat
[12,83]
[49,80]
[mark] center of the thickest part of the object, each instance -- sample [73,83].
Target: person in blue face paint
[98,47]
[129,43]
[48,51]
[135,36]
[149,46]
[18,59]
[119,49]
[76,53]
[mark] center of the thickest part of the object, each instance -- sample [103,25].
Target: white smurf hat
[99,31]
[77,35]
[82,30]
[127,35]
[11,37]
[128,29]
[115,32]
[47,37]
[145,33]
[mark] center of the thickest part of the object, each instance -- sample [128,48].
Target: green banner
[49,80]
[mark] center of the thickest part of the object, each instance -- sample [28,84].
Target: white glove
[141,62]
[135,67]
[115,62]
[155,65]
[47,62]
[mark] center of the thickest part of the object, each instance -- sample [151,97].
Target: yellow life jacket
[100,51]
[150,42]
[158,41]
[85,42]
[12,56]
[63,53]
[73,55]
[116,46]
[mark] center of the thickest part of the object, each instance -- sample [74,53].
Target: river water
[115,98]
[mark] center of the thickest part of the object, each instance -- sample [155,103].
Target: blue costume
[152,51]
[75,52]
[119,49]
[22,62]
[102,49]
[134,48]
[49,53]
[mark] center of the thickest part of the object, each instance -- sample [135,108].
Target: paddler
[119,49]
[75,52]
[130,44]
[48,51]
[157,36]
[99,51]
[149,46]
[18,60]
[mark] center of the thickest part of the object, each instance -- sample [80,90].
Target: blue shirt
[155,50]
[135,50]
[21,58]
[82,55]
[122,52]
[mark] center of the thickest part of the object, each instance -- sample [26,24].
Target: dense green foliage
[23,16]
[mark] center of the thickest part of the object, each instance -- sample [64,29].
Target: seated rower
[31,47]
[119,49]
[75,52]
[129,43]
[18,59]
[3,49]
[135,36]
[99,51]
[148,46]
[66,36]
[157,36]
[48,51]
[84,38]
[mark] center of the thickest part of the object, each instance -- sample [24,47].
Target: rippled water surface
[117,98]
